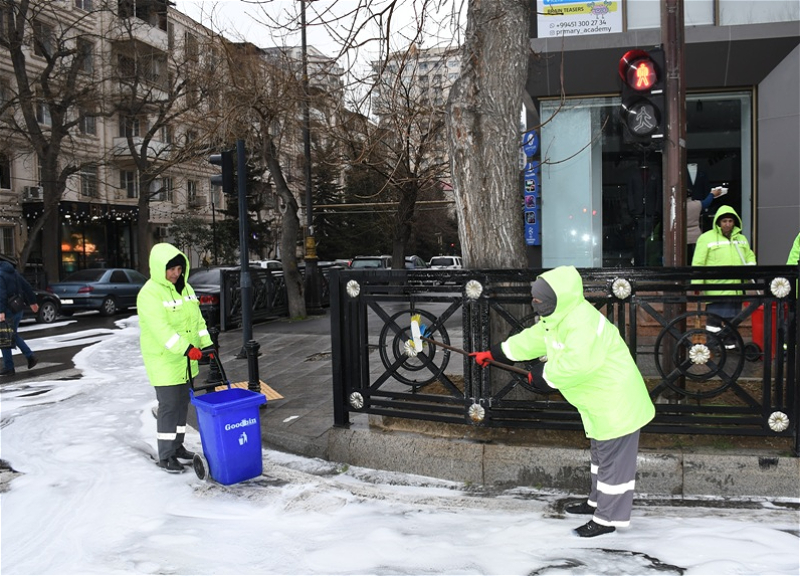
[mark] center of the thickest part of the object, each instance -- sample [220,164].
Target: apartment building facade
[127,105]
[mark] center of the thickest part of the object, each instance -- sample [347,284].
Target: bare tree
[483,128]
[57,87]
[161,98]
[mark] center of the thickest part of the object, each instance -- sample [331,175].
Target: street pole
[674,164]
[245,283]
[674,159]
[312,284]
[214,230]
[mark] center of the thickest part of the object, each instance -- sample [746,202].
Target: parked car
[107,290]
[414,262]
[268,264]
[444,262]
[207,285]
[49,307]
[369,262]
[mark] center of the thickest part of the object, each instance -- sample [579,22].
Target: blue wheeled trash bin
[230,432]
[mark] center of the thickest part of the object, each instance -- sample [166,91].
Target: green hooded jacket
[169,322]
[714,249]
[794,253]
[587,361]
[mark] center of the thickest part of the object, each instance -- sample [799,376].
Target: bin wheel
[200,466]
[752,352]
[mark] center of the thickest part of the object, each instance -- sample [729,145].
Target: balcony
[155,148]
[198,201]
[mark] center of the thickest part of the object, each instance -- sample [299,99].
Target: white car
[268,264]
[446,262]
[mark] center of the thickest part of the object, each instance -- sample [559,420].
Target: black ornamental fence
[269,294]
[737,379]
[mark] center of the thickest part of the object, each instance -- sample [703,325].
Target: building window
[191,47]
[87,5]
[7,241]
[167,134]
[89,181]
[42,39]
[86,56]
[191,191]
[43,113]
[88,125]
[129,126]
[5,172]
[164,193]
[129,183]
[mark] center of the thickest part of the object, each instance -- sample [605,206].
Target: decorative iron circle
[778,421]
[356,400]
[413,367]
[621,288]
[780,287]
[476,413]
[353,288]
[699,355]
[473,289]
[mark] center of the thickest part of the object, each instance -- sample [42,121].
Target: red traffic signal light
[642,108]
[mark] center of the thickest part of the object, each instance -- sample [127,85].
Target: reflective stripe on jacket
[587,361]
[169,322]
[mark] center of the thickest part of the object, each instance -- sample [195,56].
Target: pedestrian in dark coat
[12,283]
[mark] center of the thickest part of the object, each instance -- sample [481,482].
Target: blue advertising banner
[531,191]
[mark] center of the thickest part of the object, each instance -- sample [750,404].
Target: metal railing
[740,380]
[269,294]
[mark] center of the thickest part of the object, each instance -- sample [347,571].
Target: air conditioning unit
[32,193]
[162,231]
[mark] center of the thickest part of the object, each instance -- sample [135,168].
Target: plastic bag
[6,335]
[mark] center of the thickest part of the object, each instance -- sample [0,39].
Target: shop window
[603,198]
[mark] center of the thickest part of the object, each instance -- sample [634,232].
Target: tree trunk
[295,289]
[405,216]
[483,121]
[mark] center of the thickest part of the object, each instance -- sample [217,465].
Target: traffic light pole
[674,149]
[312,282]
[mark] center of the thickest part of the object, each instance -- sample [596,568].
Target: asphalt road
[55,345]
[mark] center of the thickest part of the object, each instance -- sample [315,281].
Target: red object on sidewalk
[758,327]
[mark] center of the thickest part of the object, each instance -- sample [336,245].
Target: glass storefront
[602,198]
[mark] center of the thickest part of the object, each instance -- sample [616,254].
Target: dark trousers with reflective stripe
[173,407]
[613,479]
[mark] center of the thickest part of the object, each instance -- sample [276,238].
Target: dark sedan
[107,290]
[49,307]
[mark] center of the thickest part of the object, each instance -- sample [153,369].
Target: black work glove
[536,378]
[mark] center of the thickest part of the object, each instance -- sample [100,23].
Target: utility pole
[312,284]
[674,147]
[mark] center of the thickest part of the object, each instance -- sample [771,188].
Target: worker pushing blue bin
[230,431]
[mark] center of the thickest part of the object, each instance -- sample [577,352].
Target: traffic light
[643,111]
[225,161]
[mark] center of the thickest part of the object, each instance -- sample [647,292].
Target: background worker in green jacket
[172,330]
[794,253]
[723,245]
[589,363]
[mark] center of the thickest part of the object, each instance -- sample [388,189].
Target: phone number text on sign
[567,17]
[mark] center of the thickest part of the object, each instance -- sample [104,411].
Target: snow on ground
[88,499]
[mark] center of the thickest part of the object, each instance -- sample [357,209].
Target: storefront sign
[570,18]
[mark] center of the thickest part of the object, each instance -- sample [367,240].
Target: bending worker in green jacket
[589,363]
[172,333]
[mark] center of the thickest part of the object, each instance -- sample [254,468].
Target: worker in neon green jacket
[794,253]
[172,334]
[588,362]
[723,245]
